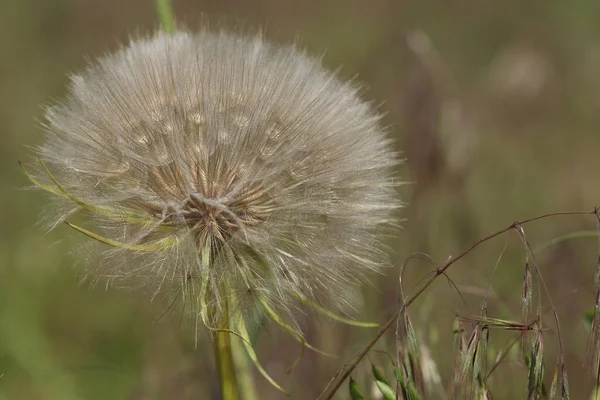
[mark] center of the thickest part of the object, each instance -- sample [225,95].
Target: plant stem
[165,14]
[221,338]
[225,365]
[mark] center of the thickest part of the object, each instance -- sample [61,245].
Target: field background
[495,104]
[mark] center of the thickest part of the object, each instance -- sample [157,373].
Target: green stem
[165,14]
[225,365]
[221,339]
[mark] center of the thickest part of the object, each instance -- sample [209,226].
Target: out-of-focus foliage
[495,104]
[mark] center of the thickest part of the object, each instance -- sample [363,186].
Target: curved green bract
[60,190]
[159,245]
[252,354]
[295,334]
[336,317]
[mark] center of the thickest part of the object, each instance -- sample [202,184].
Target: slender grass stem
[165,14]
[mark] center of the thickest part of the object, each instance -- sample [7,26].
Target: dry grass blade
[554,386]
[526,294]
[467,360]
[559,380]
[535,360]
[460,346]
[479,372]
[490,322]
[479,369]
[471,366]
[564,381]
[564,385]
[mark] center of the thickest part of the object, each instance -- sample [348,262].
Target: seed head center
[207,216]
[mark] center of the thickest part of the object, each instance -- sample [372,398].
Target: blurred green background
[495,104]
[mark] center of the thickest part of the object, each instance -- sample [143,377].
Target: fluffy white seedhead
[221,166]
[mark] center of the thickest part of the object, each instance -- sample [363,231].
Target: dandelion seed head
[179,142]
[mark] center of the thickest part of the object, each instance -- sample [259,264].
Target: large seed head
[181,143]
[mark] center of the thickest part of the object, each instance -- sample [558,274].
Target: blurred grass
[498,119]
